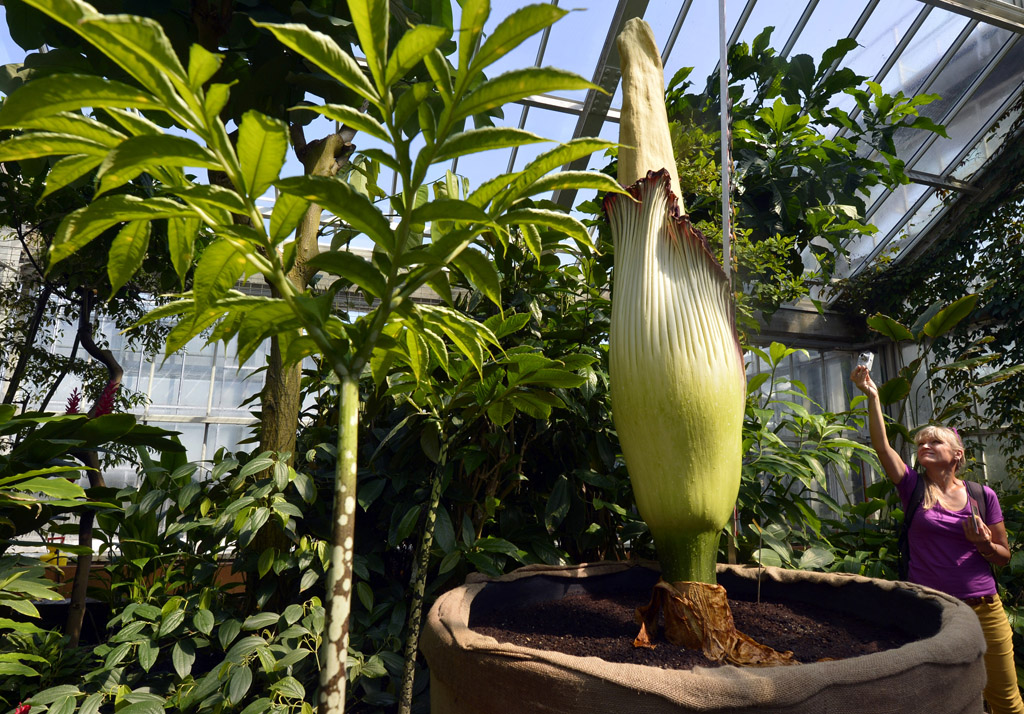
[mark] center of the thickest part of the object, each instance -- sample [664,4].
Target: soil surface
[584,625]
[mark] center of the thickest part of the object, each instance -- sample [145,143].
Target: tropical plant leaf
[950,316]
[152,154]
[549,219]
[518,84]
[220,267]
[346,203]
[68,170]
[262,146]
[350,117]
[127,253]
[44,143]
[82,226]
[324,52]
[889,327]
[481,271]
[513,30]
[57,93]
[354,268]
[483,139]
[414,45]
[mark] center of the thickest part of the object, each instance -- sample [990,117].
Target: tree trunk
[76,611]
[282,393]
[18,374]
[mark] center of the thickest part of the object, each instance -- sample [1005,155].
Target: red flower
[23,708]
[74,402]
[105,404]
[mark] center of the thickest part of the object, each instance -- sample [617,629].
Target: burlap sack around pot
[940,672]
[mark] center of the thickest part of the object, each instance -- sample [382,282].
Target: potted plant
[678,389]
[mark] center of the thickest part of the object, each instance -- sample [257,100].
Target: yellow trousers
[1001,692]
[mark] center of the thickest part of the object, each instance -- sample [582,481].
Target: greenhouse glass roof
[970,52]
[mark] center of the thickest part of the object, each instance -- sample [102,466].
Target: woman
[947,551]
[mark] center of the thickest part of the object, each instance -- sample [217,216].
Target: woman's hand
[981,537]
[862,379]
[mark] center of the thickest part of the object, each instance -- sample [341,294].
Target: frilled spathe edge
[684,229]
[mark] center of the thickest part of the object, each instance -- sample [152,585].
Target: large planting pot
[942,671]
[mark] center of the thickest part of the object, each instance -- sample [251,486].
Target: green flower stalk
[678,383]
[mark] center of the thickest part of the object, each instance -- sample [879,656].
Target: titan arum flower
[678,383]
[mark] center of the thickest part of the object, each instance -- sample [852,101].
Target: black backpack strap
[976,492]
[903,542]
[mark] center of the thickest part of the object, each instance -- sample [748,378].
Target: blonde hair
[950,437]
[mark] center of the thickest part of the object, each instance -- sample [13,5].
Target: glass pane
[929,44]
[880,35]
[959,73]
[781,16]
[226,436]
[827,24]
[807,369]
[976,113]
[697,45]
[166,383]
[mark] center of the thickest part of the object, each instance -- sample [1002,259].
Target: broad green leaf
[481,272]
[531,236]
[184,331]
[516,85]
[289,688]
[549,219]
[74,124]
[151,153]
[553,378]
[64,705]
[181,239]
[484,139]
[346,203]
[513,30]
[52,694]
[68,170]
[55,487]
[414,45]
[371,19]
[227,632]
[202,65]
[501,412]
[183,655]
[127,253]
[262,146]
[549,161]
[220,267]
[350,117]
[925,317]
[324,52]
[91,704]
[816,557]
[354,268]
[437,66]
[44,143]
[238,683]
[260,620]
[485,192]
[203,621]
[474,15]
[449,209]
[532,404]
[577,180]
[56,93]
[146,706]
[950,316]
[889,327]
[894,390]
[171,623]
[213,200]
[13,669]
[82,226]
[284,219]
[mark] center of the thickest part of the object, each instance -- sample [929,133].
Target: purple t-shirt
[941,557]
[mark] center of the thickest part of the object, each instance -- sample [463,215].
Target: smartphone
[867,359]
[974,514]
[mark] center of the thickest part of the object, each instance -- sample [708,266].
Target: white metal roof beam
[994,12]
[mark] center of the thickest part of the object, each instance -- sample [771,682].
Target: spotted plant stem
[339,577]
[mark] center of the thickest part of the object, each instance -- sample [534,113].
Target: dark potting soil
[588,626]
